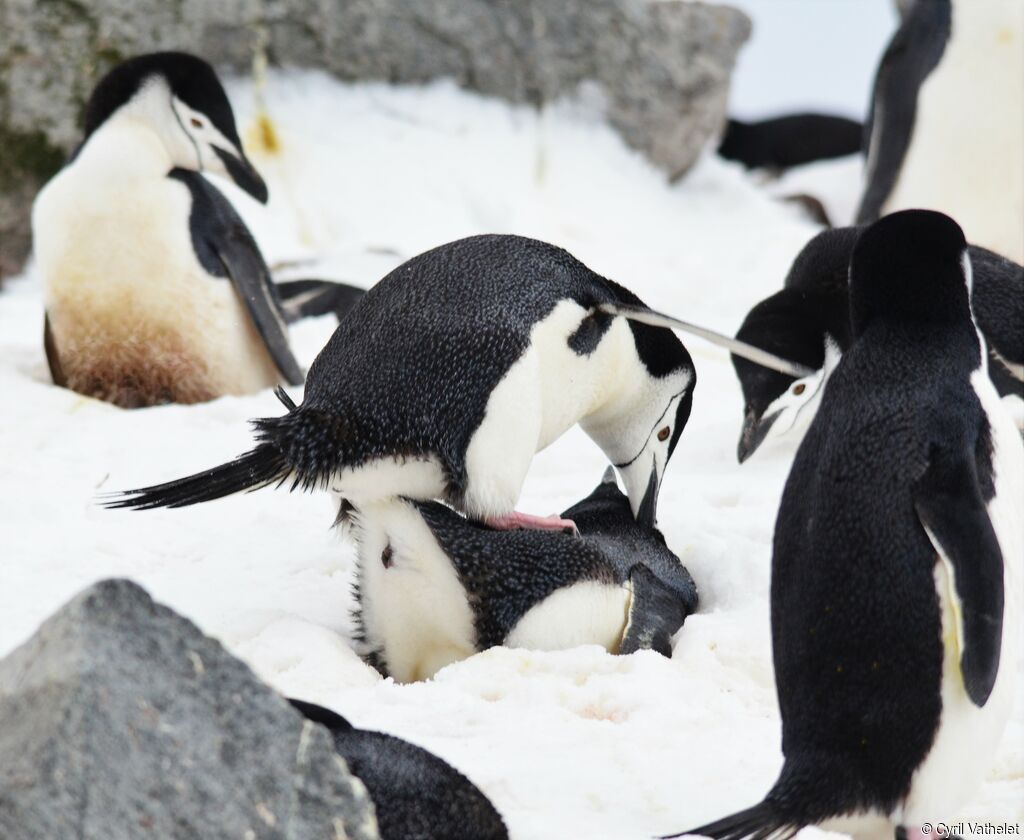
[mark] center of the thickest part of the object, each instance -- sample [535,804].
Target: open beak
[244,174]
[755,429]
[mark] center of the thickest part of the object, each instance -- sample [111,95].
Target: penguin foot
[527,521]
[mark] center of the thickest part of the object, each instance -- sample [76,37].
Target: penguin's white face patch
[197,141]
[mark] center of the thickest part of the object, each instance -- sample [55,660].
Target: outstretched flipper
[312,298]
[226,249]
[949,504]
[644,315]
[656,612]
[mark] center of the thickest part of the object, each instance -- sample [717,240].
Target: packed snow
[572,744]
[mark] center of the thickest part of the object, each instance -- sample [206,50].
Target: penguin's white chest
[130,307]
[965,156]
[968,736]
[548,390]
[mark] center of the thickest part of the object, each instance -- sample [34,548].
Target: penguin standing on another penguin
[808,321]
[155,291]
[434,588]
[945,130]
[455,369]
[896,569]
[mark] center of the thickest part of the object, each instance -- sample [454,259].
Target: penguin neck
[125,147]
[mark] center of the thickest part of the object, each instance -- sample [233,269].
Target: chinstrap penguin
[808,321]
[434,588]
[154,289]
[455,369]
[945,129]
[417,796]
[896,568]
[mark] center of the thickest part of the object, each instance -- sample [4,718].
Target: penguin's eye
[799,388]
[385,556]
[664,433]
[196,122]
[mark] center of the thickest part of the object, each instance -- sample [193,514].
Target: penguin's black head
[910,266]
[179,97]
[800,322]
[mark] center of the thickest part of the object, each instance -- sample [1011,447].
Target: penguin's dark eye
[385,556]
[664,433]
[196,123]
[799,388]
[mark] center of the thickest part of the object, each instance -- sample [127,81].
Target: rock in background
[663,65]
[120,719]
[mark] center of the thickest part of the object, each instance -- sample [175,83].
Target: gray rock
[120,719]
[663,66]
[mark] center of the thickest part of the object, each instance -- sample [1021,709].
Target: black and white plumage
[808,321]
[896,568]
[434,588]
[416,794]
[944,131]
[155,291]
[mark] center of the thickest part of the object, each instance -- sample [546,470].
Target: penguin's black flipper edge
[656,612]
[757,823]
[224,246]
[911,55]
[52,356]
[310,298]
[949,504]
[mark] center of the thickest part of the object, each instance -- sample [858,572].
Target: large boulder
[119,719]
[663,66]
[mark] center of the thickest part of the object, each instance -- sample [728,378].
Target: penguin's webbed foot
[528,521]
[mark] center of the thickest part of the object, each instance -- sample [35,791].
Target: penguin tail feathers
[302,445]
[762,822]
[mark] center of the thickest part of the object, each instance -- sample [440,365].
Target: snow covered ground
[568,745]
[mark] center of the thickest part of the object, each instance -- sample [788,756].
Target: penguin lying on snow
[945,130]
[895,593]
[808,321]
[417,796]
[456,368]
[434,588]
[134,247]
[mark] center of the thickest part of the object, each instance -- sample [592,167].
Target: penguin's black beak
[646,515]
[755,429]
[244,174]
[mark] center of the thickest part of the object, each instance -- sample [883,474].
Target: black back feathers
[190,79]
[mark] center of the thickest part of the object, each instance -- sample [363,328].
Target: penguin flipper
[656,612]
[224,246]
[758,823]
[310,298]
[911,55]
[645,315]
[950,506]
[52,356]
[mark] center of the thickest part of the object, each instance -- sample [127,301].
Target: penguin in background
[896,568]
[455,369]
[945,130]
[434,588]
[155,290]
[416,795]
[808,321]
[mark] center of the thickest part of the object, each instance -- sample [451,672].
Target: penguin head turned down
[806,321]
[180,99]
[639,430]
